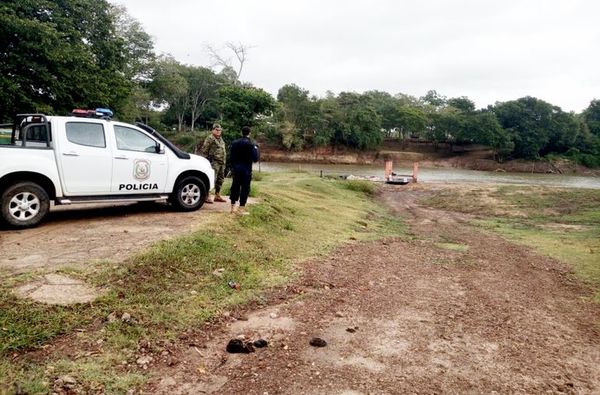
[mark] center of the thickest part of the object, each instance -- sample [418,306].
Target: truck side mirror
[160,149]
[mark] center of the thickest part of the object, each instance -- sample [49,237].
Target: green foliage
[411,121]
[483,128]
[57,55]
[366,187]
[591,115]
[463,104]
[297,116]
[434,99]
[242,106]
[445,125]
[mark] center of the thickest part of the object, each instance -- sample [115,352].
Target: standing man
[243,153]
[213,149]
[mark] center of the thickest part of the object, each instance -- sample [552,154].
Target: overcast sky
[487,50]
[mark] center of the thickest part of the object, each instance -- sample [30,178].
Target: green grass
[561,223]
[453,247]
[171,287]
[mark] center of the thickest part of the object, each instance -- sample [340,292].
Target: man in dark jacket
[243,153]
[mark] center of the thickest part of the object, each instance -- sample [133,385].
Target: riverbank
[427,158]
[420,279]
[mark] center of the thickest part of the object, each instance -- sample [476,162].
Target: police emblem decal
[141,169]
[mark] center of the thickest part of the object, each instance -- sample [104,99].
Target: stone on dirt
[237,346]
[317,342]
[260,343]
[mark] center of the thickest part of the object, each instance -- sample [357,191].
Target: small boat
[402,180]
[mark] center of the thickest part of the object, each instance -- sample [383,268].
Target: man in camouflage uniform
[213,149]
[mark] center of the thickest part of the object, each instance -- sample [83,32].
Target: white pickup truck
[71,160]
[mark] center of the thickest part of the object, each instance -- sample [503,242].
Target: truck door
[85,159]
[137,166]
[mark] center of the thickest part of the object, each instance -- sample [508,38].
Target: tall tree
[591,116]
[463,103]
[242,105]
[60,54]
[411,121]
[231,57]
[562,132]
[297,114]
[528,121]
[202,85]
[170,88]
[360,125]
[483,127]
[433,98]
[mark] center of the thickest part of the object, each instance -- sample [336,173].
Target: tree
[240,106]
[57,55]
[170,88]
[356,123]
[138,45]
[387,107]
[463,103]
[591,117]
[528,121]
[411,121]
[239,51]
[202,86]
[562,132]
[445,126]
[138,106]
[434,99]
[297,115]
[483,128]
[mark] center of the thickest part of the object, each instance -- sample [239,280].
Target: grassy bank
[172,287]
[561,223]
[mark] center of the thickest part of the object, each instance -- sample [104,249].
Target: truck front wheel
[189,194]
[24,204]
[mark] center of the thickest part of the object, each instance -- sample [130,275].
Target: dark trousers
[240,187]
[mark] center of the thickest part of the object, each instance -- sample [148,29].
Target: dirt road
[81,235]
[453,310]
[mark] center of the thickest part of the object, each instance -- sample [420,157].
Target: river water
[439,175]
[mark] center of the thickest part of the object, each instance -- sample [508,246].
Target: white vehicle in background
[78,159]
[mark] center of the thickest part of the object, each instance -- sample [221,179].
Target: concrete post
[415,171]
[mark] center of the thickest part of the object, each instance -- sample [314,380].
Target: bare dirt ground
[405,316]
[83,236]
[74,236]
[412,315]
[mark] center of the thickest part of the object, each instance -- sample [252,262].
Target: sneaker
[209,199]
[219,199]
[233,209]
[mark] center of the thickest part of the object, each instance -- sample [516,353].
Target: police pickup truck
[73,159]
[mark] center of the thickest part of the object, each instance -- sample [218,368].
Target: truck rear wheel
[189,194]
[24,204]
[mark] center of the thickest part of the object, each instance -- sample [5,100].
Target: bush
[366,187]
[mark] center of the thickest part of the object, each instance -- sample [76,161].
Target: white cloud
[486,50]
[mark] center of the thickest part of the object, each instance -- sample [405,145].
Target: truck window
[88,134]
[5,133]
[37,133]
[133,140]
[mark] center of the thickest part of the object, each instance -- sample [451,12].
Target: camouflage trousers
[219,169]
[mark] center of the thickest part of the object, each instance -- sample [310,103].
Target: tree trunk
[180,122]
[193,120]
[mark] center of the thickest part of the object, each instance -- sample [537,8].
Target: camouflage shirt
[214,149]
